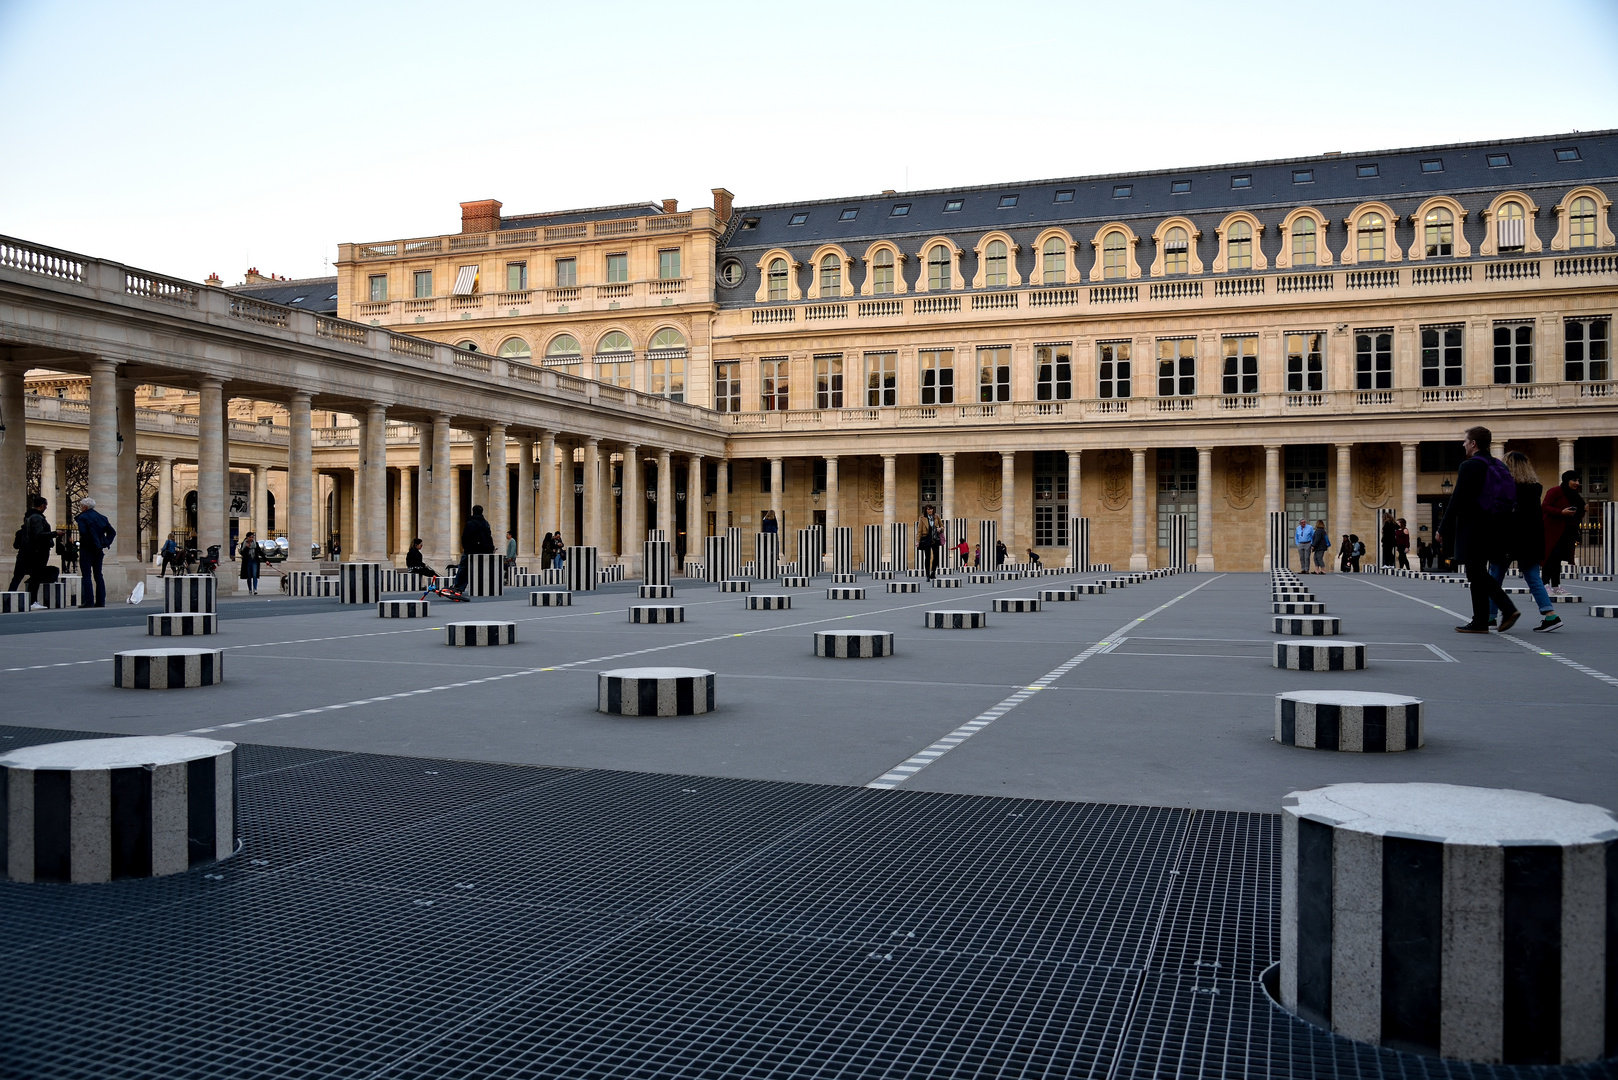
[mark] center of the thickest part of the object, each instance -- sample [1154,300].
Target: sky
[205,138]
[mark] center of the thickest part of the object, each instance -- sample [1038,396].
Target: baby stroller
[210,562]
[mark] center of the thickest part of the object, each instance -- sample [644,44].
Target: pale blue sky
[190,138]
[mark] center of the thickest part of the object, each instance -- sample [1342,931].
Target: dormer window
[1180,187]
[749,224]
[1243,181]
[850,214]
[1366,172]
[1567,153]
[1065,195]
[1007,201]
[1303,176]
[952,206]
[1176,251]
[1499,161]
[1123,191]
[797,219]
[899,210]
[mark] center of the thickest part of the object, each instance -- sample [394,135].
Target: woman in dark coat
[1525,541]
[1563,509]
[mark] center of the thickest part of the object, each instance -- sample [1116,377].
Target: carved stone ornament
[1240,486]
[989,489]
[1371,477]
[1115,482]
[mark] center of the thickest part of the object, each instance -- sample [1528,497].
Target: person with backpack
[1321,544]
[1525,541]
[1477,518]
[170,556]
[33,542]
[1304,537]
[96,535]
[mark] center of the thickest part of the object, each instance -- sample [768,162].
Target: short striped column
[361,582]
[1458,922]
[550,598]
[167,668]
[182,624]
[12,602]
[721,565]
[403,609]
[484,576]
[844,579]
[1307,625]
[98,810]
[955,620]
[1009,575]
[470,634]
[298,582]
[795,581]
[656,592]
[768,602]
[555,575]
[657,613]
[842,550]
[655,692]
[1298,607]
[191,592]
[1016,604]
[1090,588]
[767,554]
[1057,595]
[1604,611]
[871,555]
[902,544]
[660,535]
[853,644]
[657,562]
[904,586]
[1338,656]
[581,569]
[980,579]
[1567,598]
[882,574]
[735,585]
[1355,721]
[942,582]
[845,592]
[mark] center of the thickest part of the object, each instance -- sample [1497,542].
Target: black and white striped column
[484,577]
[657,613]
[767,554]
[768,602]
[581,569]
[904,586]
[655,592]
[1356,721]
[811,542]
[871,556]
[944,582]
[1307,625]
[845,592]
[795,581]
[1057,595]
[1078,538]
[12,602]
[182,624]
[60,594]
[658,535]
[98,810]
[1338,656]
[191,592]
[955,620]
[853,644]
[903,543]
[361,582]
[980,579]
[655,692]
[469,634]
[988,533]
[958,533]
[1016,604]
[403,609]
[1298,607]
[550,598]
[1179,540]
[1460,922]
[1604,611]
[842,550]
[721,566]
[1280,542]
[167,668]
[657,563]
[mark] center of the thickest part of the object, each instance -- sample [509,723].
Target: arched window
[563,345]
[1055,259]
[469,346]
[994,263]
[666,364]
[1581,223]
[1239,247]
[615,342]
[778,279]
[1373,239]
[1114,257]
[515,348]
[1176,251]
[831,277]
[882,273]
[1440,228]
[1511,232]
[1303,242]
[938,267]
[668,338]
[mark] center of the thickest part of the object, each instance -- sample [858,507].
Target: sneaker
[1557,590]
[1492,623]
[1509,620]
[1551,622]
[36,606]
[1470,629]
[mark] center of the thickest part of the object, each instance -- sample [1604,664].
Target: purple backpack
[1499,494]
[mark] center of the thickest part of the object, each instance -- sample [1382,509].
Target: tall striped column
[581,569]
[1280,542]
[1609,538]
[810,546]
[721,565]
[658,555]
[842,550]
[901,541]
[871,557]
[1078,538]
[1179,540]
[988,533]
[766,554]
[957,533]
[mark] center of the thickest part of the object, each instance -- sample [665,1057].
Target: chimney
[889,191]
[480,216]
[671,206]
[253,277]
[215,280]
[722,201]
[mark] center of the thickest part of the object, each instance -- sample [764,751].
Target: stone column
[946,509]
[165,500]
[443,538]
[424,486]
[499,486]
[525,496]
[1408,498]
[1075,486]
[48,486]
[592,493]
[1342,510]
[301,488]
[14,445]
[568,510]
[375,530]
[1137,511]
[210,462]
[1008,508]
[547,518]
[665,496]
[261,501]
[127,522]
[833,487]
[406,524]
[1564,459]
[357,540]
[104,488]
[634,503]
[777,496]
[1272,493]
[890,497]
[695,523]
[1205,524]
[480,471]
[722,498]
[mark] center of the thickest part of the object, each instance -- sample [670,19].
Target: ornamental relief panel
[1241,487]
[1115,481]
[1371,478]
[989,487]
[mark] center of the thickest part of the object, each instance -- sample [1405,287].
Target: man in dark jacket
[476,539]
[1479,531]
[34,544]
[96,535]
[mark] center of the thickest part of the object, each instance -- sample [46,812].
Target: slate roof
[311,294]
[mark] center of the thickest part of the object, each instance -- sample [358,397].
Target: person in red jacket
[1562,509]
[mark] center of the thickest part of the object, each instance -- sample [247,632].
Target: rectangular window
[1241,366]
[1303,176]
[1180,187]
[763,465]
[1176,493]
[797,219]
[424,284]
[772,384]
[1176,367]
[1587,348]
[1123,191]
[1007,201]
[666,368]
[616,373]
[727,392]
[1306,361]
[1243,181]
[1373,359]
[668,264]
[1365,172]
[881,380]
[1442,356]
[1065,195]
[817,476]
[1112,369]
[1431,165]
[567,273]
[516,277]
[938,377]
[850,214]
[617,268]
[1050,499]
[1499,161]
[951,206]
[994,373]
[902,210]
[831,277]
[829,381]
[1513,353]
[882,274]
[1304,468]
[1053,370]
[379,288]
[1567,153]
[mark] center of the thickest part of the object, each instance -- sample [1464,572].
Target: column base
[1138,562]
[1205,562]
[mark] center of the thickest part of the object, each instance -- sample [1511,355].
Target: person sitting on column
[96,535]
[33,543]
[1033,558]
[415,563]
[169,558]
[476,539]
[929,539]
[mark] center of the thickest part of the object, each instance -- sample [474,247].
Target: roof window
[953,206]
[1499,161]
[296,300]
[1367,172]
[901,209]
[1432,164]
[1567,153]
[1179,187]
[1123,191]
[749,224]
[797,219]
[333,296]
[1007,201]
[1245,180]
[1065,195]
[1303,176]
[850,214]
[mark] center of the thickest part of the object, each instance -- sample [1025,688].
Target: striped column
[167,668]
[811,542]
[659,555]
[720,565]
[1468,923]
[988,533]
[361,582]
[1078,539]
[190,592]
[657,534]
[842,550]
[767,554]
[1179,540]
[1609,538]
[871,557]
[902,542]
[1280,542]
[581,569]
[484,575]
[957,533]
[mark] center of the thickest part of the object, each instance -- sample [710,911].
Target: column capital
[1409,444]
[302,397]
[1274,446]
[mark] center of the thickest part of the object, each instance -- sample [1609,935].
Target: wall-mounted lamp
[578,489]
[2,434]
[485,476]
[537,483]
[1446,487]
[120,444]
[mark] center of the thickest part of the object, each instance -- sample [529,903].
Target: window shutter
[1512,232]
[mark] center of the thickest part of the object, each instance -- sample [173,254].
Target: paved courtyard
[1047,847]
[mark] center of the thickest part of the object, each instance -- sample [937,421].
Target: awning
[466,280]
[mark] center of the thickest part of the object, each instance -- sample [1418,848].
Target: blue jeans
[1536,587]
[250,575]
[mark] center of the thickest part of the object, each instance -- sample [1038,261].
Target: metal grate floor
[402,917]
